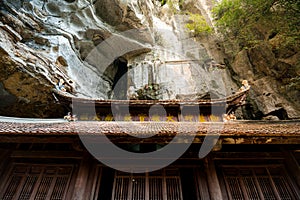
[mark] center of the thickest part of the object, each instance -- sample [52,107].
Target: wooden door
[259,182]
[37,182]
[161,185]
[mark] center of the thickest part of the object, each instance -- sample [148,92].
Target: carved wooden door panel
[37,182]
[161,185]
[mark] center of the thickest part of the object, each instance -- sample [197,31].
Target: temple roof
[161,129]
[67,97]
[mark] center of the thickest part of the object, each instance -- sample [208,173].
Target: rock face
[270,77]
[42,42]
[118,14]
[25,80]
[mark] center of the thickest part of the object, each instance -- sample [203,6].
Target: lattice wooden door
[258,182]
[37,182]
[161,185]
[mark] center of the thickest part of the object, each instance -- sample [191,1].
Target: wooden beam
[47,154]
[248,155]
[37,139]
[242,139]
[163,139]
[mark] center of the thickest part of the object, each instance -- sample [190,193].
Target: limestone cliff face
[26,74]
[79,41]
[271,68]
[271,77]
[44,41]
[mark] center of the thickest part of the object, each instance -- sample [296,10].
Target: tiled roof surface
[236,128]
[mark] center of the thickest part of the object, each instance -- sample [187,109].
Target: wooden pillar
[5,161]
[292,166]
[201,183]
[82,178]
[94,180]
[212,179]
[4,157]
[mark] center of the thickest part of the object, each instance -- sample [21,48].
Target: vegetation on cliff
[198,25]
[249,21]
[267,33]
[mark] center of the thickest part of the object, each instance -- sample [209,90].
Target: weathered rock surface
[78,41]
[44,41]
[26,79]
[267,74]
[118,14]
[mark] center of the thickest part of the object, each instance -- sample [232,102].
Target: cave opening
[119,86]
[280,113]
